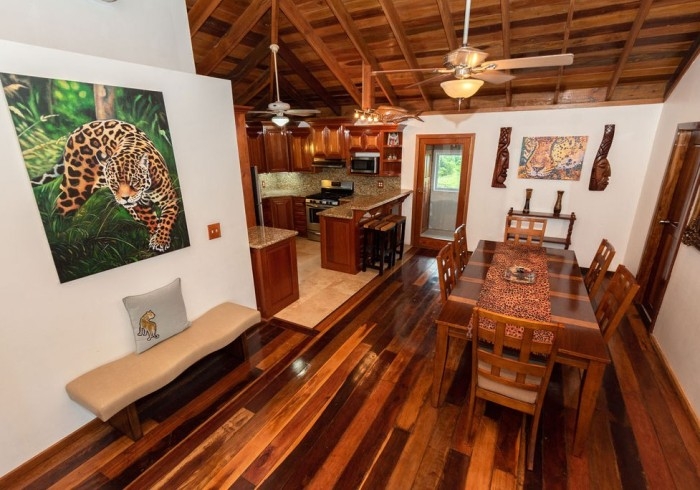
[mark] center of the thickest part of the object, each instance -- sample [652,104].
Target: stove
[332,191]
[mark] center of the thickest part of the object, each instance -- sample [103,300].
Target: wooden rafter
[505,22]
[199,13]
[447,24]
[348,25]
[298,67]
[317,44]
[564,48]
[642,13]
[234,35]
[257,55]
[392,17]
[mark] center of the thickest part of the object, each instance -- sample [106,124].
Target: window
[447,171]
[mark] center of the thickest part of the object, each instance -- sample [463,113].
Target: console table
[566,241]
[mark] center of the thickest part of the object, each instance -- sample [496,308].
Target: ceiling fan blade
[529,62]
[302,112]
[405,70]
[436,78]
[261,112]
[493,77]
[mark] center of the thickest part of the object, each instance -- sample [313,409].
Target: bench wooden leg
[127,422]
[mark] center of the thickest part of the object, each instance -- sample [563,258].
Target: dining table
[559,294]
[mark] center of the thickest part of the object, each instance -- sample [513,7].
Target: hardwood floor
[348,406]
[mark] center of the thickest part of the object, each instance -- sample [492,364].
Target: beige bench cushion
[113,386]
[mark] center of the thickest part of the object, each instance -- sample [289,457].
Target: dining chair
[616,299]
[446,270]
[599,266]
[460,248]
[510,369]
[523,229]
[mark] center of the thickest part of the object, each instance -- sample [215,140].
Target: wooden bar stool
[400,232]
[378,245]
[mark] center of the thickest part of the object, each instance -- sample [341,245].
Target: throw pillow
[157,315]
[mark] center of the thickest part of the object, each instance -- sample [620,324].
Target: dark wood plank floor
[349,407]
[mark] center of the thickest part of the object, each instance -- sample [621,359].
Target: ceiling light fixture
[463,88]
[366,116]
[280,120]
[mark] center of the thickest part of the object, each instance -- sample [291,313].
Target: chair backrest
[460,248]
[616,299]
[523,229]
[446,270]
[599,266]
[512,370]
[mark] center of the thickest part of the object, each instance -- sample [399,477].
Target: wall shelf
[566,241]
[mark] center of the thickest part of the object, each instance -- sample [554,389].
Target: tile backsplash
[303,184]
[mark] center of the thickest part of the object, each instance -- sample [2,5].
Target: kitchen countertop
[264,236]
[362,203]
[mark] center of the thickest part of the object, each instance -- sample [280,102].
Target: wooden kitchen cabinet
[392,146]
[256,148]
[275,276]
[299,204]
[362,138]
[278,212]
[340,245]
[329,140]
[276,150]
[300,144]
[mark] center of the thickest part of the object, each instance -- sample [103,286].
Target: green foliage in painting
[101,234]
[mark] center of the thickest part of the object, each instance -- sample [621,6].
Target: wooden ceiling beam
[642,13]
[254,58]
[564,48]
[233,36]
[253,89]
[300,69]
[345,20]
[199,13]
[447,24]
[314,40]
[683,66]
[392,17]
[505,32]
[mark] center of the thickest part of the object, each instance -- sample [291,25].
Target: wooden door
[676,197]
[424,185]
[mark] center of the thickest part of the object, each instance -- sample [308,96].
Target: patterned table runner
[530,301]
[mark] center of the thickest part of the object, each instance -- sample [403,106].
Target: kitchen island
[341,228]
[273,254]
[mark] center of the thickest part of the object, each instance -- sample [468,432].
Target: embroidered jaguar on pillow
[118,155]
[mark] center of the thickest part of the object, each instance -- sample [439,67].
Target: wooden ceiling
[625,51]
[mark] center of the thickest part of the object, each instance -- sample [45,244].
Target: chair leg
[532,441]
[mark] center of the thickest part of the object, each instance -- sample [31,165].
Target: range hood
[329,162]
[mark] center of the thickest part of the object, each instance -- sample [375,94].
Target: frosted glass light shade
[280,120]
[461,89]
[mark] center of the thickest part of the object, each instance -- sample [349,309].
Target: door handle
[668,222]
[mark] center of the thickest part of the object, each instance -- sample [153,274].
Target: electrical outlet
[262,183]
[380,184]
[214,231]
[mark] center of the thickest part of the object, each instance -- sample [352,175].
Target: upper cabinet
[361,138]
[300,143]
[276,151]
[256,148]
[390,155]
[329,140]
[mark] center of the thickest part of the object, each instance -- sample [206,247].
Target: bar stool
[379,245]
[400,231]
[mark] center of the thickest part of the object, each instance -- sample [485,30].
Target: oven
[313,222]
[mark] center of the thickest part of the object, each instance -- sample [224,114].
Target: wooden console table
[566,241]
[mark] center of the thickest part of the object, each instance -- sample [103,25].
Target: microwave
[364,163]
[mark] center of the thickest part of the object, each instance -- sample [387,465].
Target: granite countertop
[264,236]
[362,203]
[282,193]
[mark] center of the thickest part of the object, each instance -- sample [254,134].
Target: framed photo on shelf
[392,139]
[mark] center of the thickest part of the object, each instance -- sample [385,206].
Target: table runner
[530,301]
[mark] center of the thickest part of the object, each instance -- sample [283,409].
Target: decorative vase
[528,195]
[557,205]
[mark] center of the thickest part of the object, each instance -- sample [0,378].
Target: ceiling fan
[470,70]
[281,109]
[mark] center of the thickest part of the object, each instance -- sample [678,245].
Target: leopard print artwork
[503,296]
[551,157]
[118,155]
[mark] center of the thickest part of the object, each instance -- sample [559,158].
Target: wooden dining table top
[570,304]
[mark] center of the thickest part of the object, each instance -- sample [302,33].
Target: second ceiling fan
[470,70]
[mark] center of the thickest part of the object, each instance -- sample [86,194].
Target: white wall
[677,328]
[53,332]
[149,32]
[606,214]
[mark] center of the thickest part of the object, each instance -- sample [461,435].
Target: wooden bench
[110,391]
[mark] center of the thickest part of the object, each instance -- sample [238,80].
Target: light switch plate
[214,231]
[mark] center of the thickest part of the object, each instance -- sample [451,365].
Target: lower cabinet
[340,245]
[278,212]
[275,276]
[299,204]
